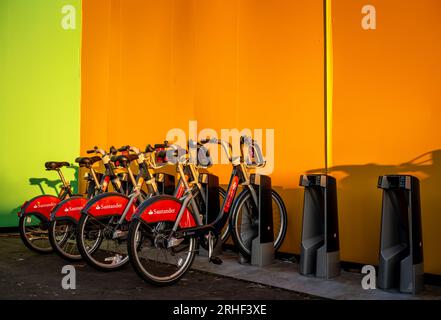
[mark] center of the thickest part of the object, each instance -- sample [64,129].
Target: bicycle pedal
[215,260]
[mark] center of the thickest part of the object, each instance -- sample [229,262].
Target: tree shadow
[359,204]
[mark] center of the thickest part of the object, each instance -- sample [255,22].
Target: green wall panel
[39,98]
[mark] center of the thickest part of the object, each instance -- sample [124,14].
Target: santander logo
[44,205]
[161,211]
[69,209]
[108,206]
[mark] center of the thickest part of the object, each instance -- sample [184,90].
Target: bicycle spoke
[155,256]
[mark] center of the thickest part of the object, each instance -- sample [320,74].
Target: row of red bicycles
[155,208]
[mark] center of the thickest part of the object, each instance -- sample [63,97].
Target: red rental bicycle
[34,214]
[105,218]
[164,231]
[66,214]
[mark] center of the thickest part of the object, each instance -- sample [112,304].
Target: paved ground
[28,275]
[285,275]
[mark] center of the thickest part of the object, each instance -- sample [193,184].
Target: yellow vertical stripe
[329,81]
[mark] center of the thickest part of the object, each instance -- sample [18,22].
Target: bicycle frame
[112,203]
[239,176]
[189,184]
[70,209]
[144,175]
[191,176]
[66,189]
[109,175]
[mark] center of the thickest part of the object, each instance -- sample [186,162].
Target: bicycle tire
[27,243]
[56,245]
[237,239]
[137,265]
[86,254]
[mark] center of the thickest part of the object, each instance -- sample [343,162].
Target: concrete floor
[285,274]
[28,275]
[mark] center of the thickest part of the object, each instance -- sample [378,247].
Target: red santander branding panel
[181,188]
[71,208]
[180,191]
[167,210]
[42,204]
[110,206]
[231,193]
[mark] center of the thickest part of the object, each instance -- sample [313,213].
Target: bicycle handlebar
[112,151]
[257,151]
[244,140]
[225,145]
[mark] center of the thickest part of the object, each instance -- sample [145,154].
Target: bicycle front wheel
[244,221]
[34,233]
[156,256]
[108,240]
[63,238]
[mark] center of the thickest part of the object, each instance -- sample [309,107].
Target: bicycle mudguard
[163,208]
[108,204]
[69,208]
[40,205]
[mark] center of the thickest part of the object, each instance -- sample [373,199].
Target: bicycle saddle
[87,161]
[54,165]
[124,159]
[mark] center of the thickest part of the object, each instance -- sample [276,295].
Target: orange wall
[386,112]
[136,83]
[149,66]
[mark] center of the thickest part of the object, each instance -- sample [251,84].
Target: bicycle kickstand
[211,258]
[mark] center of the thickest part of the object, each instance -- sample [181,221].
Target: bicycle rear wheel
[156,257]
[62,236]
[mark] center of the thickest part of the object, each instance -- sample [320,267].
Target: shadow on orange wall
[386,110]
[360,206]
